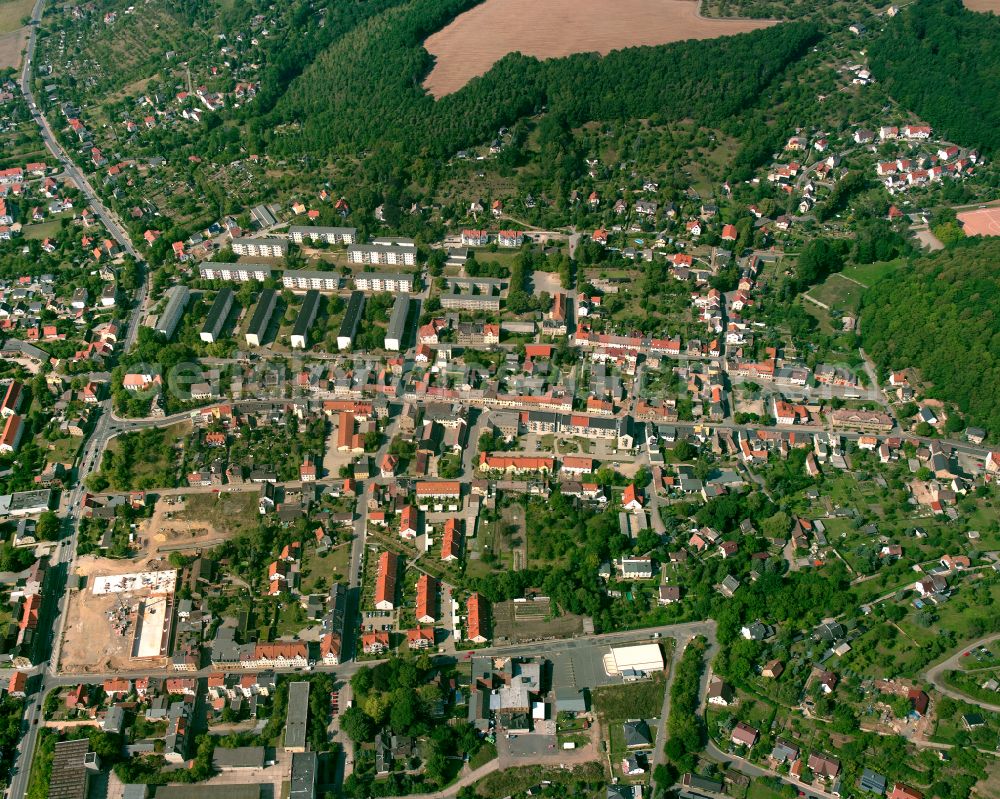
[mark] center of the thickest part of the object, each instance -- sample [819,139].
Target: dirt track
[477,39]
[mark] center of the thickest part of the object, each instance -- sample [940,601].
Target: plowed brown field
[480,37]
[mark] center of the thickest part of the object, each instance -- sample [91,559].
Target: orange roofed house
[439,489]
[427,610]
[375,643]
[477,624]
[451,542]
[385,583]
[420,638]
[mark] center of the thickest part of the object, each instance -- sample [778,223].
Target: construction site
[118,618]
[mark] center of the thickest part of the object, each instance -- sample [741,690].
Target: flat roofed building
[166,324]
[264,247]
[240,757]
[306,280]
[217,316]
[237,791]
[261,318]
[642,658]
[470,302]
[305,319]
[329,235]
[304,768]
[25,503]
[235,273]
[394,241]
[297,714]
[70,778]
[377,281]
[382,255]
[397,323]
[352,318]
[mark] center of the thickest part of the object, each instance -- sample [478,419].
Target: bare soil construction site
[480,37]
[117,624]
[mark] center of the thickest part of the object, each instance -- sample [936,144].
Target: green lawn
[43,230]
[324,570]
[837,292]
[870,273]
[486,753]
[631,700]
[64,450]
[761,789]
[227,513]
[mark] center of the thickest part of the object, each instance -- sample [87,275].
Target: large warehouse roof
[642,657]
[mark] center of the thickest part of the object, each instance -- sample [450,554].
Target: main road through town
[43,676]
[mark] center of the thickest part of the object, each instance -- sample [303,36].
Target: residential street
[935,674]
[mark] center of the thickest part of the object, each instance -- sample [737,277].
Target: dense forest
[942,316]
[364,92]
[942,61]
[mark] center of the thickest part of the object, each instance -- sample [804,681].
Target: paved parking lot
[581,667]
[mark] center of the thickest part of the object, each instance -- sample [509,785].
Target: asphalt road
[935,674]
[96,442]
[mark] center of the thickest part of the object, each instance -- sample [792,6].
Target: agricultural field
[531,621]
[479,38]
[984,6]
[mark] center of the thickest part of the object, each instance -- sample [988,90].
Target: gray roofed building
[114,719]
[637,733]
[14,347]
[570,700]
[238,791]
[262,215]
[261,318]
[167,321]
[297,714]
[304,321]
[397,323]
[784,752]
[178,732]
[690,780]
[69,775]
[303,779]
[872,781]
[263,247]
[25,503]
[329,235]
[236,273]
[352,318]
[305,279]
[240,757]
[217,315]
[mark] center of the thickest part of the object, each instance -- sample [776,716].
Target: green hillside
[941,314]
[364,91]
[943,62]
